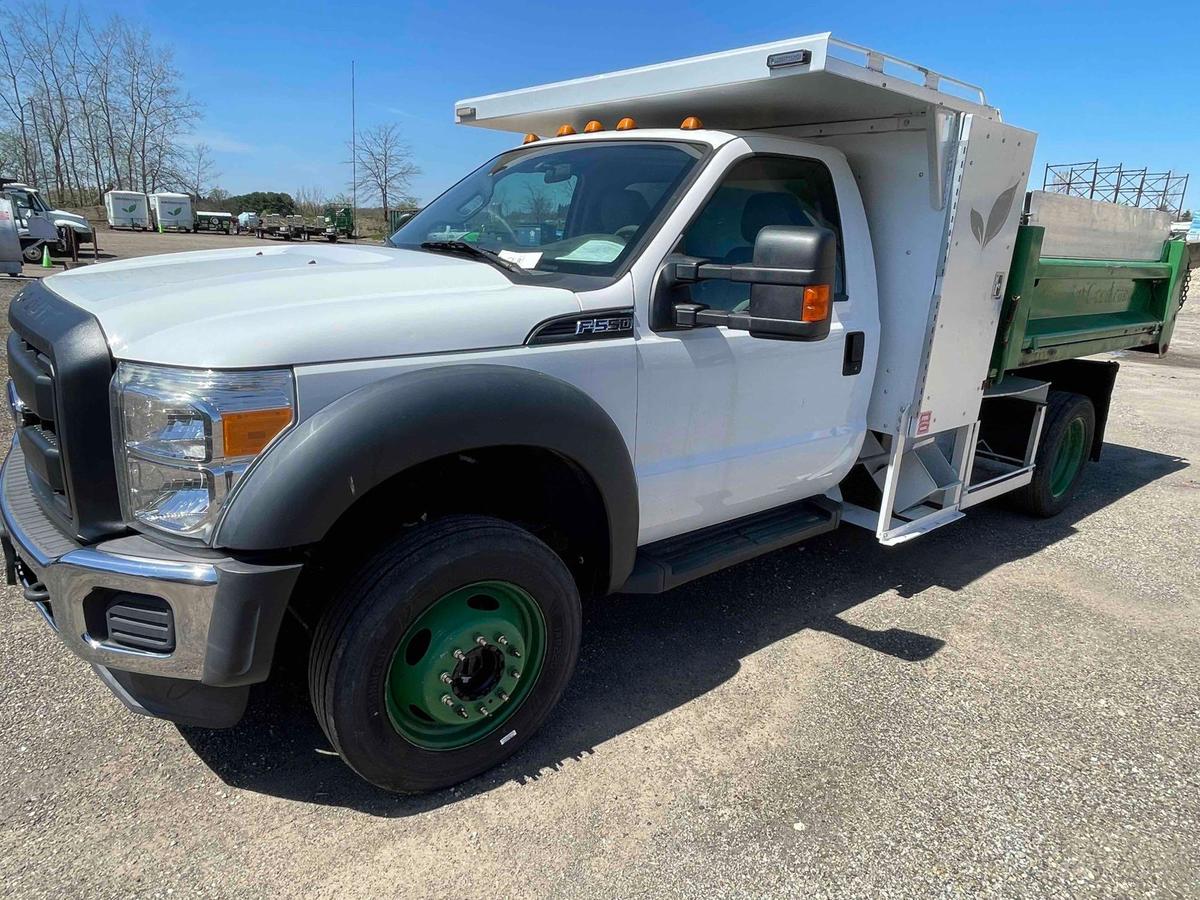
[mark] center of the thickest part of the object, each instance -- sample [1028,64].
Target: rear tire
[1062,455]
[375,686]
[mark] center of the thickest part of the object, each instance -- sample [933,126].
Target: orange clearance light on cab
[626,124]
[593,126]
[247,433]
[530,138]
[691,123]
[816,303]
[564,130]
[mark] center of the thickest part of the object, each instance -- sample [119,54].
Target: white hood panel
[296,304]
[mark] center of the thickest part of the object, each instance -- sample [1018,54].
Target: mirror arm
[697,315]
[745,273]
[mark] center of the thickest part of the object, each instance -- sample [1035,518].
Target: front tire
[1062,455]
[469,608]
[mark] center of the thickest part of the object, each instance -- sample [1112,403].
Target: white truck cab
[66,225]
[701,311]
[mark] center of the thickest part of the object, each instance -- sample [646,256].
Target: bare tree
[539,205]
[310,201]
[85,108]
[196,171]
[385,167]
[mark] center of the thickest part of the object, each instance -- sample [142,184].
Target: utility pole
[353,160]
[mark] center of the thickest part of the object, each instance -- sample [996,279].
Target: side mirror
[791,278]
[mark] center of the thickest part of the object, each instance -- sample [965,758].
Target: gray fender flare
[317,471]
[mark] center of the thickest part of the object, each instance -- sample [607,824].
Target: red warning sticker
[923,422]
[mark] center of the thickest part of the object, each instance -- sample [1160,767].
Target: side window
[757,192]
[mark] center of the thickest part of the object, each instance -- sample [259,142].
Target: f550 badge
[603,326]
[590,326]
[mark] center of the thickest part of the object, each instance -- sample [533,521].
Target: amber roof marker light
[593,126]
[626,124]
[691,123]
[530,138]
[564,130]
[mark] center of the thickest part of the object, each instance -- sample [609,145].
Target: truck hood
[63,218]
[292,304]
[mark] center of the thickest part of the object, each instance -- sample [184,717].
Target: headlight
[184,437]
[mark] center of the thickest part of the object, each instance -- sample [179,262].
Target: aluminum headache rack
[743,89]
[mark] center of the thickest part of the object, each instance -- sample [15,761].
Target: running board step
[669,563]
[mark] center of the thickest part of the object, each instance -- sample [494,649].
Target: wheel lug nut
[514,673]
[458,654]
[501,640]
[462,713]
[445,678]
[503,696]
[447,699]
[515,652]
[481,640]
[483,711]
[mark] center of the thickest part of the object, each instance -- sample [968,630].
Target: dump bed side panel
[1063,308]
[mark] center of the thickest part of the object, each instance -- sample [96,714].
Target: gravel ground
[1005,707]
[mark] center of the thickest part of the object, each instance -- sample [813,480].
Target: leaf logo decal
[175,211]
[977,226]
[996,218]
[130,208]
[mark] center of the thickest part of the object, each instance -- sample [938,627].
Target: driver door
[730,424]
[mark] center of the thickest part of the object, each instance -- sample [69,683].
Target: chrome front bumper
[226,612]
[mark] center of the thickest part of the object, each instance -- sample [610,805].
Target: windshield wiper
[472,251]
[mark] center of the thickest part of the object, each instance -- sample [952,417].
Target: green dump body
[341,219]
[1057,309]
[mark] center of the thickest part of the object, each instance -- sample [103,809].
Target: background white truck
[708,309]
[172,212]
[40,226]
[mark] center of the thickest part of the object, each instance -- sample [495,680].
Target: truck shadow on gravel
[644,656]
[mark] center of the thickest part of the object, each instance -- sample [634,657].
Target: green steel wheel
[444,652]
[1062,454]
[465,665]
[1069,458]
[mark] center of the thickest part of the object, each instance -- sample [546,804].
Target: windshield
[26,200]
[578,208]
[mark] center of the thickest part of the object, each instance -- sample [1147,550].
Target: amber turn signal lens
[593,126]
[626,124]
[247,433]
[816,303]
[564,130]
[691,123]
[530,138]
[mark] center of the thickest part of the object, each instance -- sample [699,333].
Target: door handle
[856,346]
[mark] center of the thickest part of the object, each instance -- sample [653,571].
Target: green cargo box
[1063,308]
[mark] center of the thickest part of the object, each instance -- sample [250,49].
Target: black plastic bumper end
[184,702]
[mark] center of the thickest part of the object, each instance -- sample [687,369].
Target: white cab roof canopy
[801,81]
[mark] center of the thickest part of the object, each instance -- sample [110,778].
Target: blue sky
[1107,80]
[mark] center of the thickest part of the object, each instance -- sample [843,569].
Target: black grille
[60,366]
[140,623]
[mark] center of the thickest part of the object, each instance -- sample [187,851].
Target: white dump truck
[703,310]
[127,209]
[172,212]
